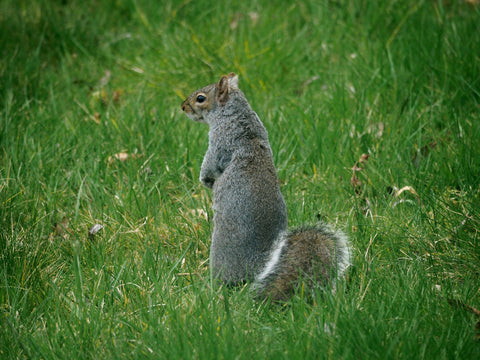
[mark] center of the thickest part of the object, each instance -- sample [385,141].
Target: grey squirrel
[250,240]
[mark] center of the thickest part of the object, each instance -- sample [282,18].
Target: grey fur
[249,240]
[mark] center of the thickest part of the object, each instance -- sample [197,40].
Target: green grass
[82,81]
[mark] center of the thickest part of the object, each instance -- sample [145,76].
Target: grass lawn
[373,114]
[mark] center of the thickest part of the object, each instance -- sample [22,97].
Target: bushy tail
[343,252]
[314,256]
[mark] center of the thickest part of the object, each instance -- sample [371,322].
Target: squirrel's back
[249,215]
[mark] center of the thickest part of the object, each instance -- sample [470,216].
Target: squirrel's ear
[222,90]
[225,85]
[233,80]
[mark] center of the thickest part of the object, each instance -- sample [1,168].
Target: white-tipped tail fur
[319,253]
[343,252]
[274,258]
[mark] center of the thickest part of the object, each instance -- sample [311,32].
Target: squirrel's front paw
[207,181]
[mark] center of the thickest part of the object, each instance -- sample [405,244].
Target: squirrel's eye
[201,98]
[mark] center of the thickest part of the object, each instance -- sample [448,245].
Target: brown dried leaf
[96,118]
[61,229]
[363,158]
[359,166]
[122,156]
[235,20]
[100,95]
[356,168]
[355,181]
[254,16]
[117,95]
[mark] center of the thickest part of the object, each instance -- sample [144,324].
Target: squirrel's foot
[208,182]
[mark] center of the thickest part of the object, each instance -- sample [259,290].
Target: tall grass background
[373,114]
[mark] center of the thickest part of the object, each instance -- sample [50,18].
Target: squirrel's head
[201,102]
